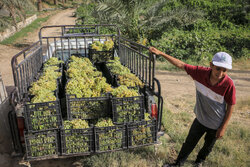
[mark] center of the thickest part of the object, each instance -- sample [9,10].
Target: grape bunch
[85,81]
[53,61]
[109,136]
[124,76]
[128,104]
[107,46]
[101,52]
[43,89]
[42,144]
[76,136]
[143,134]
[44,117]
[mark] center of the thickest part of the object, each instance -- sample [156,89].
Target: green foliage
[84,14]
[200,46]
[191,30]
[22,33]
[19,10]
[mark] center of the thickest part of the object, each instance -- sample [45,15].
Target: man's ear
[211,64]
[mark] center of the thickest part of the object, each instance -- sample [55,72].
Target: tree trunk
[39,5]
[13,16]
[55,2]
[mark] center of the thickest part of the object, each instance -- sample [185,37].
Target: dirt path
[63,17]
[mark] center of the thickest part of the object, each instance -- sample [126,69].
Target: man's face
[218,72]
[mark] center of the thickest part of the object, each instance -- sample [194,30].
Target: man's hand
[220,133]
[178,63]
[155,51]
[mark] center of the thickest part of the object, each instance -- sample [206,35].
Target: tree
[139,19]
[39,5]
[55,2]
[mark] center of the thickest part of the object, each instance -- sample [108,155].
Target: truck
[36,143]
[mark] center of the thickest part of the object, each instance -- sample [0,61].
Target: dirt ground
[178,89]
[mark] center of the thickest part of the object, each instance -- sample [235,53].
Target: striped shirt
[211,100]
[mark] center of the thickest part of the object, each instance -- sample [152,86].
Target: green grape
[125,77]
[123,91]
[43,97]
[52,61]
[109,139]
[104,122]
[42,144]
[108,45]
[142,135]
[76,142]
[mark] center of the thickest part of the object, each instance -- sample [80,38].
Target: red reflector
[20,124]
[154,111]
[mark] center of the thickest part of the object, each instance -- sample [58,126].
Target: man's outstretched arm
[176,62]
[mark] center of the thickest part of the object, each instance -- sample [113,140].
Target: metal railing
[25,67]
[3,93]
[138,59]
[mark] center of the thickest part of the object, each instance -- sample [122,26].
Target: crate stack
[88,101]
[102,110]
[42,112]
[130,110]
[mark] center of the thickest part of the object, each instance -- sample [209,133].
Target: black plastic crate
[42,144]
[100,56]
[87,108]
[108,75]
[142,133]
[42,116]
[110,138]
[127,109]
[77,141]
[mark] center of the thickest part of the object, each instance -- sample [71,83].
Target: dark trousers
[196,131]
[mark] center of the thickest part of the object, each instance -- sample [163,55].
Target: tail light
[154,111]
[20,124]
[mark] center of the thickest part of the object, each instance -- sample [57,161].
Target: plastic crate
[42,144]
[110,138]
[87,108]
[42,116]
[100,56]
[77,141]
[127,109]
[142,133]
[111,78]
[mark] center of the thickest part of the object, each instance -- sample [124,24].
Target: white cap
[222,59]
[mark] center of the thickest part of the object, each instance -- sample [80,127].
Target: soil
[178,89]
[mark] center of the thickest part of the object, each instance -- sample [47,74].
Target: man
[215,100]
